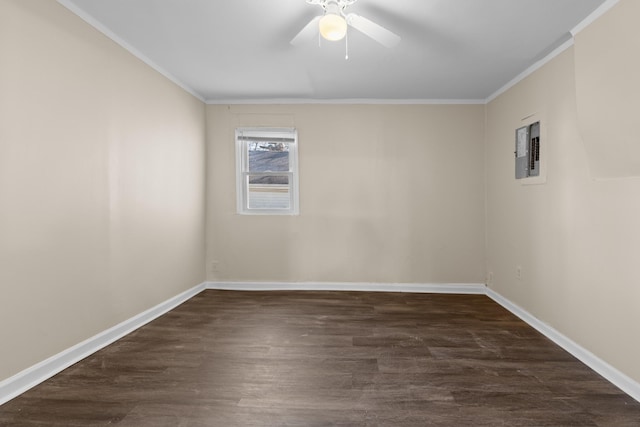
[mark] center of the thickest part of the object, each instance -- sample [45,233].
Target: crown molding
[71,6]
[533,68]
[604,8]
[601,10]
[350,101]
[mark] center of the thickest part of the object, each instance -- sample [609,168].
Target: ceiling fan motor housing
[332,7]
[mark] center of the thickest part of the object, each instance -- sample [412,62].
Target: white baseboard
[34,375]
[617,378]
[432,288]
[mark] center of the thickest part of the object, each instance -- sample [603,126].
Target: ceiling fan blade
[373,30]
[307,33]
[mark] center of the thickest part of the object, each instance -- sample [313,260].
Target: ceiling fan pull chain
[346,46]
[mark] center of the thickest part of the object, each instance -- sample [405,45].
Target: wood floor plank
[228,358]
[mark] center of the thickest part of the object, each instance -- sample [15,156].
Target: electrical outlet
[519,272]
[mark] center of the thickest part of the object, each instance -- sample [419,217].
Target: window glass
[266,162]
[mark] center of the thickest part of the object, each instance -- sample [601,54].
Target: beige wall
[102,191]
[576,238]
[607,66]
[389,193]
[101,184]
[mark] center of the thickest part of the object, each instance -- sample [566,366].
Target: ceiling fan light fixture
[333,27]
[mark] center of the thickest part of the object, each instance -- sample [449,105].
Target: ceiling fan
[333,24]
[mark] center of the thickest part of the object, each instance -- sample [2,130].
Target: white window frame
[242,169]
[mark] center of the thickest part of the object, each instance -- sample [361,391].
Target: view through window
[267,170]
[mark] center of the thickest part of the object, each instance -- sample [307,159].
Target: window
[267,171]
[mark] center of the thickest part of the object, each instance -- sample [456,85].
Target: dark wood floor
[328,358]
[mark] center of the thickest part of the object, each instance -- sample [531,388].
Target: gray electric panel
[528,151]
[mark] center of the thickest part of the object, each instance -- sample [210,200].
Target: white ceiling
[239,50]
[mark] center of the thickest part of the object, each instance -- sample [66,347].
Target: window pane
[268,156]
[267,171]
[268,192]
